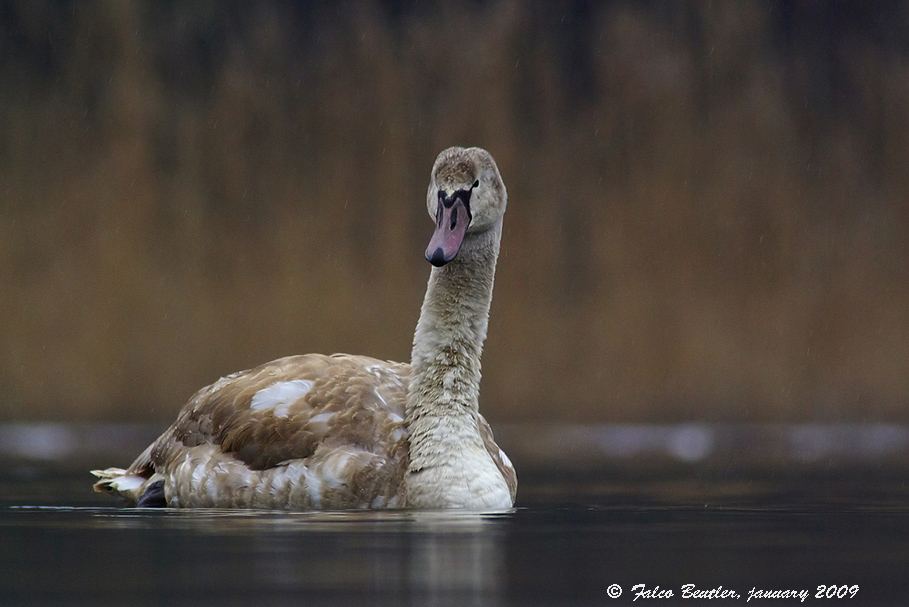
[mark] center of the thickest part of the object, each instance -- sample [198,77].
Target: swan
[339,432]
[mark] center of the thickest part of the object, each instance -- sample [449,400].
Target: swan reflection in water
[407,557]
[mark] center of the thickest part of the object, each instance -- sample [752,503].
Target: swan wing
[506,469]
[302,431]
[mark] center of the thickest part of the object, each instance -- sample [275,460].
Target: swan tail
[120,482]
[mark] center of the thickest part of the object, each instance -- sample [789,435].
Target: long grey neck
[450,465]
[448,342]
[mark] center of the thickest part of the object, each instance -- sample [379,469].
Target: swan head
[466,197]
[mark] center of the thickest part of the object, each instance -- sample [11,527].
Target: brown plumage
[354,412]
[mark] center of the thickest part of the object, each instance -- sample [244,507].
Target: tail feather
[131,483]
[119,482]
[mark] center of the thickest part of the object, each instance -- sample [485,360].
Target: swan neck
[448,342]
[449,464]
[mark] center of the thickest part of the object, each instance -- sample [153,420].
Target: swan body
[342,431]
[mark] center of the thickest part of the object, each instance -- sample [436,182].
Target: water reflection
[460,554]
[418,558]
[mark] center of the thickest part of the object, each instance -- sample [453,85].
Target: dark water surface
[573,536]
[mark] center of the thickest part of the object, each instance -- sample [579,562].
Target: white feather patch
[312,482]
[280,396]
[128,482]
[333,469]
[397,434]
[321,422]
[505,459]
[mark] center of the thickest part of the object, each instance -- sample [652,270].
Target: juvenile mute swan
[333,432]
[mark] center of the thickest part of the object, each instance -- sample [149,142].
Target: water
[574,534]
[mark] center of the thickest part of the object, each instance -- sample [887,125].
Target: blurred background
[708,209]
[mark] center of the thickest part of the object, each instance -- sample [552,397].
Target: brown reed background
[708,200]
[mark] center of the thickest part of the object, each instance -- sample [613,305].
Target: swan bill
[452,219]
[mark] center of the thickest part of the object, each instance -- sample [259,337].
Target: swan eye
[476,184]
